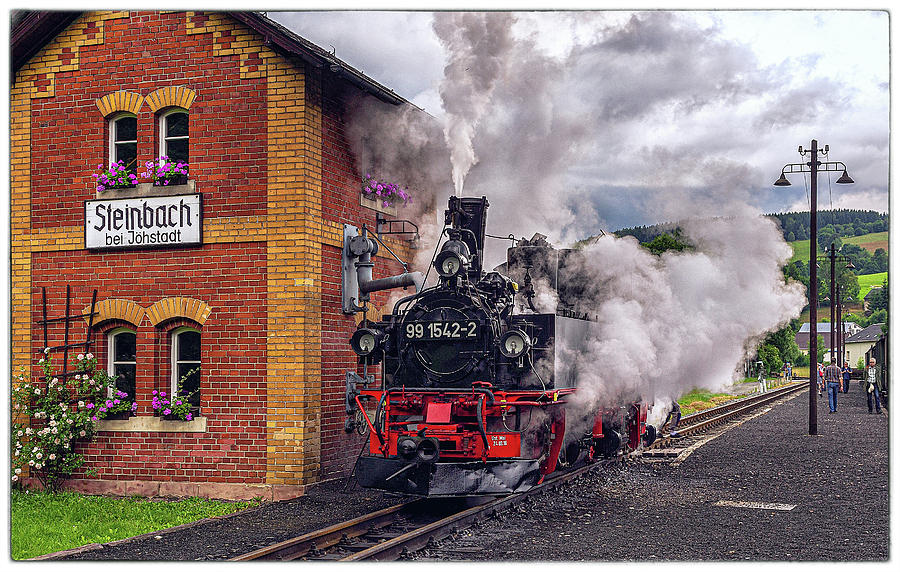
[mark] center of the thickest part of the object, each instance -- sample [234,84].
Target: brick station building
[260,115]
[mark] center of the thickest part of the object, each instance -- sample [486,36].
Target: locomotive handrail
[479,415]
[369,423]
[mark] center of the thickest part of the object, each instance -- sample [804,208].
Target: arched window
[122,359]
[174,130]
[123,140]
[186,363]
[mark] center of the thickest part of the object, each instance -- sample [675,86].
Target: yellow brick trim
[294,272]
[120,101]
[172,96]
[231,38]
[178,307]
[117,309]
[20,224]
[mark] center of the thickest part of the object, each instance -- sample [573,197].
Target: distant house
[861,342]
[869,295]
[824,330]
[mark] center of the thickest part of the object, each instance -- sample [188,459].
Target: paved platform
[763,491]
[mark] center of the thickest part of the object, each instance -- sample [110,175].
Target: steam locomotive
[474,383]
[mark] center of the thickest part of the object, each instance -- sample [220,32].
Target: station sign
[143,222]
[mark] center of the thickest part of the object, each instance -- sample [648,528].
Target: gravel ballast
[838,481]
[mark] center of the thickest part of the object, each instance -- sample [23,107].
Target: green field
[870,242]
[801,250]
[867,281]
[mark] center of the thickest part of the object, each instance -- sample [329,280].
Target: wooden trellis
[67,321]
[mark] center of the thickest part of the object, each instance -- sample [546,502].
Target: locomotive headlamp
[365,341]
[514,343]
[452,259]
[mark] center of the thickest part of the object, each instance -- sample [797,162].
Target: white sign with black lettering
[142,222]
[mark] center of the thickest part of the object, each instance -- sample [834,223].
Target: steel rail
[326,537]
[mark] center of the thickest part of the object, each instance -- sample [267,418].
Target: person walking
[873,385]
[833,382]
[820,371]
[675,416]
[761,377]
[845,372]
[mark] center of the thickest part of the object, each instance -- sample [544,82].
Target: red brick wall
[341,186]
[231,279]
[227,120]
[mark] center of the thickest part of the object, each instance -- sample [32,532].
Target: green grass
[801,250]
[41,523]
[700,399]
[867,281]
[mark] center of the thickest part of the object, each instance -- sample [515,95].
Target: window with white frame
[174,133]
[123,140]
[122,359]
[186,363]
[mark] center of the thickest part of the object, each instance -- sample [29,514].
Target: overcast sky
[709,103]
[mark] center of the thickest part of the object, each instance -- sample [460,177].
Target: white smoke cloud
[477,44]
[518,120]
[681,320]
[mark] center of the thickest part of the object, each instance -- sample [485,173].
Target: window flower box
[381,196]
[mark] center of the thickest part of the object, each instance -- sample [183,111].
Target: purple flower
[167,411]
[188,417]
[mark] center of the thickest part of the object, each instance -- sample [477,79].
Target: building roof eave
[284,39]
[32,29]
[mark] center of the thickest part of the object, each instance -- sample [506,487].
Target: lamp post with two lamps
[813,167]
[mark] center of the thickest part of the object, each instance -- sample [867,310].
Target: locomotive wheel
[609,444]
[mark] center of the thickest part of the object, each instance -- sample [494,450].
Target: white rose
[90,356]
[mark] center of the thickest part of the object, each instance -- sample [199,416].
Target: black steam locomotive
[474,385]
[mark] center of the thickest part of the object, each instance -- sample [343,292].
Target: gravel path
[838,481]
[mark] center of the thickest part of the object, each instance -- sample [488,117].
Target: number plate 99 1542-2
[449,330]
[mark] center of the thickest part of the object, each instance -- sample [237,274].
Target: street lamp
[813,167]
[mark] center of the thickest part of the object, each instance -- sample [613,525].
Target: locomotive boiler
[474,380]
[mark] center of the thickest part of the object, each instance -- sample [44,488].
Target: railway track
[697,425]
[391,533]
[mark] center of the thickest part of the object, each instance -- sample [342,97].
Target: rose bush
[50,417]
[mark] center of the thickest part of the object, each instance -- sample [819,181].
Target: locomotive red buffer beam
[448,443]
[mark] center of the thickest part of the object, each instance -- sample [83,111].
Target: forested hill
[794,226]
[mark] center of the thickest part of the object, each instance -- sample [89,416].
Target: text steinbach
[143,216]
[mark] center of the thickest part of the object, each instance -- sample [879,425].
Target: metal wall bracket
[349,281]
[354,382]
